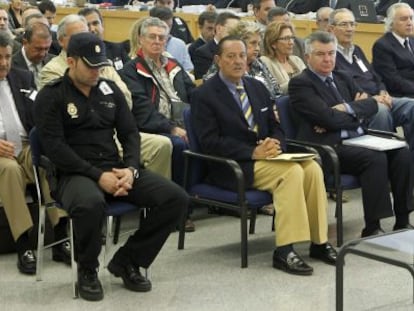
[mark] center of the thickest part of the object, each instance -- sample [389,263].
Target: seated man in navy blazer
[233,117]
[392,54]
[329,107]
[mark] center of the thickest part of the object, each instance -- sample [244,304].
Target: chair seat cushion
[348,182]
[117,208]
[255,198]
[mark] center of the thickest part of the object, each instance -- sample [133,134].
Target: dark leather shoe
[89,286]
[132,278]
[324,252]
[366,233]
[407,226]
[291,264]
[61,253]
[26,262]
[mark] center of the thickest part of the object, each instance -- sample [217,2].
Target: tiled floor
[207,276]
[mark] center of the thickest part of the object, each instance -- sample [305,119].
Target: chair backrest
[198,167]
[35,146]
[282,104]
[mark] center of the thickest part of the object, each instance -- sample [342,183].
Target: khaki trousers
[156,151]
[299,199]
[14,175]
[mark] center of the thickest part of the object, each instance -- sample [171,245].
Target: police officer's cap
[88,47]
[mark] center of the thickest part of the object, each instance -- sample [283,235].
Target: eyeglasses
[346,24]
[153,37]
[287,38]
[324,20]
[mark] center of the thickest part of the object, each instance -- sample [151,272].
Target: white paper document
[293,157]
[375,142]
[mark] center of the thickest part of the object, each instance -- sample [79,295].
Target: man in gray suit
[33,55]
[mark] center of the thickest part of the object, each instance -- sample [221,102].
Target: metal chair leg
[40,242]
[73,262]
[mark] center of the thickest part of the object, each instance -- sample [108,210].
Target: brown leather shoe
[189,226]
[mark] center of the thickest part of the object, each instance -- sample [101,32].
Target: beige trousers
[299,199]
[14,175]
[156,151]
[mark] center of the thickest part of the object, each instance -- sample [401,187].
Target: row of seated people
[153,34]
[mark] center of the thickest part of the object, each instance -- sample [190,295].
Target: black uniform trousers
[85,202]
[376,171]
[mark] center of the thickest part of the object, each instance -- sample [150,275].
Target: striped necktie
[246,107]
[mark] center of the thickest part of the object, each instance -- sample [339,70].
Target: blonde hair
[244,30]
[134,34]
[272,33]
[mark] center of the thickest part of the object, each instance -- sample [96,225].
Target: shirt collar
[347,52]
[323,78]
[399,38]
[231,86]
[28,62]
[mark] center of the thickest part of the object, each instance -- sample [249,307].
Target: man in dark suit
[206,22]
[115,52]
[17,92]
[37,39]
[203,56]
[330,108]
[392,54]
[233,117]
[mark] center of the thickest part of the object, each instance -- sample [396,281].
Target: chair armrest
[238,173]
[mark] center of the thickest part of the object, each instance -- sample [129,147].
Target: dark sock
[320,246]
[401,220]
[284,250]
[22,243]
[372,226]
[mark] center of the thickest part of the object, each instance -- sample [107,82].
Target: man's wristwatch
[135,173]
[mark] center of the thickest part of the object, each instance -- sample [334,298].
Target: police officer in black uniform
[76,117]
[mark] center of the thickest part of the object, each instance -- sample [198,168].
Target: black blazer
[18,60]
[312,101]
[203,58]
[116,52]
[21,83]
[222,129]
[395,65]
[194,46]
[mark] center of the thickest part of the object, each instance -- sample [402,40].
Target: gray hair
[319,36]
[391,14]
[320,10]
[336,12]
[67,20]
[153,22]
[5,39]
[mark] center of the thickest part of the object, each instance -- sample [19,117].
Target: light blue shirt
[177,48]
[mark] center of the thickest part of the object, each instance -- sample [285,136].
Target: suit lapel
[322,89]
[402,51]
